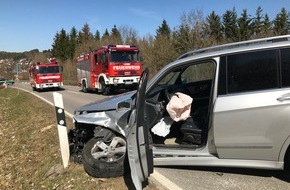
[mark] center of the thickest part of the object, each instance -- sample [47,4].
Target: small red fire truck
[45,75]
[108,68]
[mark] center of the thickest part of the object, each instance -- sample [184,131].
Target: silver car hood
[105,104]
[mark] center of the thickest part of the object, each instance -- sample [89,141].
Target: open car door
[139,150]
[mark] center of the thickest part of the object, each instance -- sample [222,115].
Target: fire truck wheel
[104,159]
[84,88]
[105,88]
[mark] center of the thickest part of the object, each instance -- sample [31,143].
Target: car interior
[196,81]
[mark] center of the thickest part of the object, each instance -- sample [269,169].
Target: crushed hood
[105,104]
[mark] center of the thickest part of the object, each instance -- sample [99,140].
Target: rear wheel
[104,158]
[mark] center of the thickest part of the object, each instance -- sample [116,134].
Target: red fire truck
[45,75]
[108,68]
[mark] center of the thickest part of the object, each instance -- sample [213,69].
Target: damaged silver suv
[238,116]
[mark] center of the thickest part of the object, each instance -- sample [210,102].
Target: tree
[230,25]
[128,35]
[267,30]
[61,47]
[258,22]
[115,36]
[85,34]
[106,33]
[214,26]
[97,36]
[163,30]
[191,34]
[245,28]
[105,37]
[282,23]
[163,49]
[73,42]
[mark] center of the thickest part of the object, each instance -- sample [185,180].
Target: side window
[198,72]
[252,71]
[285,67]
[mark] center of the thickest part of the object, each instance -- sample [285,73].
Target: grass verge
[29,149]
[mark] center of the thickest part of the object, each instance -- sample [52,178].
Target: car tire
[104,159]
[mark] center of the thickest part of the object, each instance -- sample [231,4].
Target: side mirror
[61,69]
[124,105]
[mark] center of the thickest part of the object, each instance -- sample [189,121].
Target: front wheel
[106,90]
[104,159]
[84,87]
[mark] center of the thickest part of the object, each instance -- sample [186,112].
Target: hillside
[12,63]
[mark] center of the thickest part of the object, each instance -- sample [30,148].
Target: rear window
[252,71]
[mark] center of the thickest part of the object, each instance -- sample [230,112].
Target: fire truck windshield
[124,56]
[48,69]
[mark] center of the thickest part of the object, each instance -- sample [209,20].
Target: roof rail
[274,39]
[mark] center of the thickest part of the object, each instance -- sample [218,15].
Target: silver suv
[239,115]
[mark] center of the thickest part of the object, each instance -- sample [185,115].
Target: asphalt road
[187,178]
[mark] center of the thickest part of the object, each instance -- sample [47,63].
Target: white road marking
[165,181]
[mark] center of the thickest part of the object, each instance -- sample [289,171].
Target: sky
[32,24]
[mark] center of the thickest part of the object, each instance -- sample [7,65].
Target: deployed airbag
[179,106]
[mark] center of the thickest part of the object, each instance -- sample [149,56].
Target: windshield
[124,56]
[48,69]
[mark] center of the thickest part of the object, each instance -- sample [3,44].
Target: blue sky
[31,24]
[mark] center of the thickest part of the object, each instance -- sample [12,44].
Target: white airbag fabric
[179,106]
[162,128]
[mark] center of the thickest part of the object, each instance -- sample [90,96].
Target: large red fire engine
[45,75]
[108,68]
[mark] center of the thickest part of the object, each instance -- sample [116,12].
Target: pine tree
[163,30]
[214,26]
[97,35]
[282,23]
[267,29]
[106,33]
[61,47]
[245,28]
[55,45]
[258,22]
[230,26]
[86,35]
[73,42]
[106,38]
[115,36]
